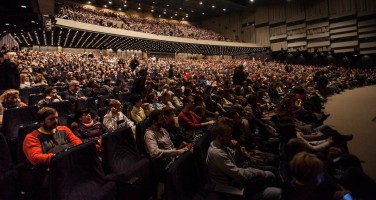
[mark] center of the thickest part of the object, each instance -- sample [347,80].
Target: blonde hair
[113,103]
[7,94]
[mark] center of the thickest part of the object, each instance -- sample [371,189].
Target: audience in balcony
[135,23]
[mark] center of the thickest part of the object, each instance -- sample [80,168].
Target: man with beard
[42,144]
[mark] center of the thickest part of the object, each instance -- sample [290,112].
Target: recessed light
[152,10]
[224,9]
[105,6]
[23,6]
[213,6]
[203,13]
[139,8]
[168,5]
[125,5]
[200,2]
[110,2]
[6,24]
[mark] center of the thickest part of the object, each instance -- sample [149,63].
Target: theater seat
[123,162]
[77,174]
[8,175]
[64,108]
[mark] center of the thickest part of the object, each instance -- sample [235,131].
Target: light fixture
[200,2]
[110,2]
[224,9]
[23,6]
[213,6]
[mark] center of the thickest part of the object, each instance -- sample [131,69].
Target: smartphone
[347,196]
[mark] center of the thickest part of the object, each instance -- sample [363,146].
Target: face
[53,93]
[13,98]
[226,137]
[74,87]
[161,121]
[170,116]
[86,118]
[50,122]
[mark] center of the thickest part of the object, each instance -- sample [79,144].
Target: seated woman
[166,99]
[87,128]
[138,112]
[115,118]
[39,81]
[51,96]
[153,101]
[24,81]
[11,99]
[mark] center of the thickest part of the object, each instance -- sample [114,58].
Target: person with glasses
[50,96]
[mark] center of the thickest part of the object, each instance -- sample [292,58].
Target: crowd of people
[136,23]
[250,109]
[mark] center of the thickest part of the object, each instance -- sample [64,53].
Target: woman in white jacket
[115,118]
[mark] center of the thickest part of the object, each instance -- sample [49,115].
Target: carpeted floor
[352,112]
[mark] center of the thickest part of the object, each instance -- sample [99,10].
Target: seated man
[51,96]
[42,144]
[224,170]
[73,93]
[160,148]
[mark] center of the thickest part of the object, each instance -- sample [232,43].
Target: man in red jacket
[42,144]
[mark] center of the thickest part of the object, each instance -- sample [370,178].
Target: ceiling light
[125,5]
[139,8]
[119,9]
[168,5]
[200,2]
[23,6]
[251,0]
[213,6]
[203,13]
[105,6]
[110,2]
[180,8]
[152,10]
[224,9]
[6,24]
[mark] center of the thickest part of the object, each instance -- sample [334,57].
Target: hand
[233,144]
[83,98]
[47,99]
[261,173]
[113,110]
[211,122]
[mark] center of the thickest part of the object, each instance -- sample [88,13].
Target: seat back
[119,150]
[25,93]
[15,117]
[200,151]
[88,104]
[35,98]
[5,158]
[182,179]
[76,173]
[102,100]
[140,133]
[23,131]
[64,108]
[8,175]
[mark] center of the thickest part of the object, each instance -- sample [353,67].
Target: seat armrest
[224,189]
[120,178]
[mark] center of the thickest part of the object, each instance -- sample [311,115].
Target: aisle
[352,112]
